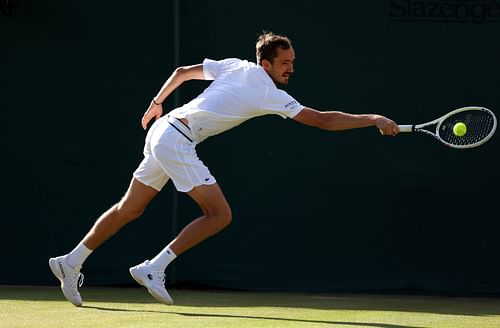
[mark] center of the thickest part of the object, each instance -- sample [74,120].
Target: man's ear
[266,64]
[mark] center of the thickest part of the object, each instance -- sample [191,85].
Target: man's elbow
[193,72]
[181,71]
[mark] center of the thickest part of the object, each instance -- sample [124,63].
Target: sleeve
[210,69]
[213,68]
[281,103]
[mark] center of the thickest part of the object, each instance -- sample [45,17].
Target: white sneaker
[70,279]
[154,281]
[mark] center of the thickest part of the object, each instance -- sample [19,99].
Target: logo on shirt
[291,105]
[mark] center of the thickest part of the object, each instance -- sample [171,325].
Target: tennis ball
[460,129]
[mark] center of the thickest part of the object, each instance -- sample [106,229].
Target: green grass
[134,307]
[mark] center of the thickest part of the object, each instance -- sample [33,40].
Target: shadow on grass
[208,315]
[471,306]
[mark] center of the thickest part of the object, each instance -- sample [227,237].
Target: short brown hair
[267,43]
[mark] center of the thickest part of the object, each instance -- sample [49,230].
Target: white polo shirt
[240,91]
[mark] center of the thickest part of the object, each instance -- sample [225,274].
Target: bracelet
[154,102]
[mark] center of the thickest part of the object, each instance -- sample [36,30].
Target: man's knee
[226,217]
[222,217]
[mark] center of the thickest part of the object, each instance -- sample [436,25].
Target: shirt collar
[265,77]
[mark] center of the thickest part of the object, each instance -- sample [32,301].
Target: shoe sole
[150,290]
[54,267]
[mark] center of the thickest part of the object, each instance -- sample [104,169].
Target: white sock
[163,259]
[78,255]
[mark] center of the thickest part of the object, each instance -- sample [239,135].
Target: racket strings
[479,126]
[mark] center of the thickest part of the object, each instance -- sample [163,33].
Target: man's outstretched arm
[179,76]
[336,121]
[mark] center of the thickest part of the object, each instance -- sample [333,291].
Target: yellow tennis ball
[460,129]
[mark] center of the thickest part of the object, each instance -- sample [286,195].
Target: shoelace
[159,276]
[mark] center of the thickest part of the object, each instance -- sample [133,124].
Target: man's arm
[336,121]
[179,76]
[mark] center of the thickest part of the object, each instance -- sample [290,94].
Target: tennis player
[240,91]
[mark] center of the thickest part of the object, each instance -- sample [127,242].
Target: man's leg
[67,268]
[216,216]
[130,207]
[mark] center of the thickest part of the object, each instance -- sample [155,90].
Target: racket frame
[437,122]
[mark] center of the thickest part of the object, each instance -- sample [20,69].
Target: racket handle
[406,128]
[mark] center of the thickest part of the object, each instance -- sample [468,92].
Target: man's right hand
[154,111]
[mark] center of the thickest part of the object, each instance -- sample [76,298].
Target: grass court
[33,306]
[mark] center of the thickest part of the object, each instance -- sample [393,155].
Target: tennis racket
[481,123]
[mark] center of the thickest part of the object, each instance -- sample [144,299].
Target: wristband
[157,104]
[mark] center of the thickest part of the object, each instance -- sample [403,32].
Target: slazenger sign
[453,11]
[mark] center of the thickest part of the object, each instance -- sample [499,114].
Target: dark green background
[313,210]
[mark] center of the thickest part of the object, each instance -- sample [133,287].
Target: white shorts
[169,153]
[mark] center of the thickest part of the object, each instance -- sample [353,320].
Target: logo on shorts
[207,179]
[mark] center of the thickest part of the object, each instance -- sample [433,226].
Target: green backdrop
[313,210]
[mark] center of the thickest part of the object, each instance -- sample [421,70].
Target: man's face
[282,66]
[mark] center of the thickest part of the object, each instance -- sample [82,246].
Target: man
[240,90]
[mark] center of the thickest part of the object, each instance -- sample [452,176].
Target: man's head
[275,54]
